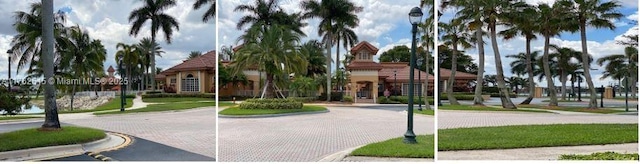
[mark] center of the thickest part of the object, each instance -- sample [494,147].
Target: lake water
[32,110]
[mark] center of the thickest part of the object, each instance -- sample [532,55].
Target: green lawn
[163,107]
[111,105]
[425,112]
[523,136]
[622,98]
[601,156]
[173,99]
[575,109]
[32,138]
[225,103]
[485,108]
[3,118]
[396,148]
[238,111]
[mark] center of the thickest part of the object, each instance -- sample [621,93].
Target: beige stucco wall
[369,76]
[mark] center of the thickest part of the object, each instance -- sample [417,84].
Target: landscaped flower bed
[271,104]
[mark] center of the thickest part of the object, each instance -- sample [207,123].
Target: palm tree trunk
[547,74]
[593,100]
[504,96]
[477,100]
[451,82]
[51,121]
[153,64]
[426,79]
[328,48]
[270,86]
[73,94]
[532,84]
[339,78]
[563,80]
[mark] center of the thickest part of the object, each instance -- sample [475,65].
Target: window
[416,89]
[173,80]
[190,84]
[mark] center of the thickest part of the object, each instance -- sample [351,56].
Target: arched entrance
[364,90]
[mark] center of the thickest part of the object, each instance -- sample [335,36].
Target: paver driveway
[311,137]
[191,130]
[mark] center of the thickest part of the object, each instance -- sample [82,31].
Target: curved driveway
[312,137]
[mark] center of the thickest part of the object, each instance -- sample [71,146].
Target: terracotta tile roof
[364,65]
[111,69]
[203,62]
[160,76]
[402,74]
[446,73]
[364,44]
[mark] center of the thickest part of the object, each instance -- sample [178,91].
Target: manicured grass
[601,156]
[425,112]
[2,118]
[523,136]
[113,104]
[238,111]
[630,98]
[396,148]
[163,107]
[485,108]
[32,138]
[575,109]
[224,103]
[175,99]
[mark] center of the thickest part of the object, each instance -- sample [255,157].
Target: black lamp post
[122,97]
[579,89]
[420,82]
[395,80]
[601,96]
[440,60]
[415,16]
[9,53]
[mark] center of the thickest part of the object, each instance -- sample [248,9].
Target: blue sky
[601,42]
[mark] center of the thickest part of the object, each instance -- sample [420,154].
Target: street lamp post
[122,97]
[9,53]
[602,96]
[415,16]
[419,90]
[395,80]
[579,89]
[440,60]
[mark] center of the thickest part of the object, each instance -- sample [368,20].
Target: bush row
[401,100]
[173,95]
[498,95]
[335,96]
[271,104]
[304,99]
[458,97]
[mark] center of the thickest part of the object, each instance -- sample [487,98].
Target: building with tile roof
[195,75]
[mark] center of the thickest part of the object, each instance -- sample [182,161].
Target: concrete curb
[271,115]
[343,155]
[53,152]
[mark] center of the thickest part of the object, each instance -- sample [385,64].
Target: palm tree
[516,81]
[562,57]
[82,55]
[333,13]
[275,51]
[552,20]
[520,24]
[147,48]
[471,11]
[597,14]
[427,40]
[622,66]
[454,35]
[261,14]
[131,57]
[519,65]
[312,51]
[194,54]
[51,121]
[211,11]
[153,10]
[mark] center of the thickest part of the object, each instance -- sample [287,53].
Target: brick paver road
[311,137]
[191,130]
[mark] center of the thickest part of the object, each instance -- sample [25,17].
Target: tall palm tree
[147,48]
[51,121]
[153,10]
[520,24]
[596,14]
[563,56]
[211,11]
[552,20]
[519,65]
[621,66]
[131,57]
[343,31]
[262,13]
[472,13]
[333,13]
[194,54]
[275,51]
[427,41]
[82,55]
[312,51]
[454,35]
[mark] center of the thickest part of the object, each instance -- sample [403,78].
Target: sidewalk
[540,153]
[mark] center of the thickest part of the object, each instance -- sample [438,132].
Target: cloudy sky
[601,42]
[383,23]
[107,20]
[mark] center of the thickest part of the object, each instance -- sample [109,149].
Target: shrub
[498,95]
[153,92]
[490,89]
[385,100]
[335,96]
[459,97]
[230,98]
[170,95]
[402,100]
[347,98]
[271,104]
[170,89]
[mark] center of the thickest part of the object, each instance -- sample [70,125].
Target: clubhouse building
[195,75]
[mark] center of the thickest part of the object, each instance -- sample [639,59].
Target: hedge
[335,96]
[458,97]
[401,100]
[498,95]
[347,98]
[271,104]
[173,95]
[304,99]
